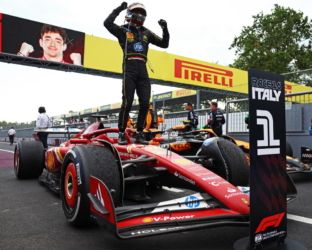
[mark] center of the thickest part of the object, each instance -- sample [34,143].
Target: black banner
[267,158]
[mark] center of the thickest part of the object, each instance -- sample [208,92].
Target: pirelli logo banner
[267,158]
[203,73]
[195,73]
[92,52]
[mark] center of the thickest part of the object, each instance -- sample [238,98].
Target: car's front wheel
[225,159]
[79,164]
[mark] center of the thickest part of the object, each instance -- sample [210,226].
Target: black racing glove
[162,23]
[122,6]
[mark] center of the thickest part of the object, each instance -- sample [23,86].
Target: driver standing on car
[134,39]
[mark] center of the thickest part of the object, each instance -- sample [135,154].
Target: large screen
[42,41]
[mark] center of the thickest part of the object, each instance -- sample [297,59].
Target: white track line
[299,218]
[8,151]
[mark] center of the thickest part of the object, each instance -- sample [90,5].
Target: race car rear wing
[68,131]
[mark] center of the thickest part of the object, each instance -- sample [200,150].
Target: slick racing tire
[226,160]
[28,159]
[79,163]
[289,150]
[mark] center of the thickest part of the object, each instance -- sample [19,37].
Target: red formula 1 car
[139,190]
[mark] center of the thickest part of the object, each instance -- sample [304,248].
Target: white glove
[25,49]
[76,58]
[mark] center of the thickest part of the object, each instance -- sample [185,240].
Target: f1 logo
[269,145]
[270,221]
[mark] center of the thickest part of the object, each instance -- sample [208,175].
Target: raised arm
[109,24]
[164,41]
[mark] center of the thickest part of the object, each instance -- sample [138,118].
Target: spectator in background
[11,134]
[192,117]
[43,122]
[53,42]
[216,119]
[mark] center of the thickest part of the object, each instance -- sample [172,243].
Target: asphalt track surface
[31,217]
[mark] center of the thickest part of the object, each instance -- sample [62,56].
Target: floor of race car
[31,217]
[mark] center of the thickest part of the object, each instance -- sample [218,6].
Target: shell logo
[50,161]
[148,220]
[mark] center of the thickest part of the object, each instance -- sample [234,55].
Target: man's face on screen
[53,46]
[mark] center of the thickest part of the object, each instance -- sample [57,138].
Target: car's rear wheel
[227,160]
[28,159]
[79,164]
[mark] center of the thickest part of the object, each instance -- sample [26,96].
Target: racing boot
[122,139]
[139,138]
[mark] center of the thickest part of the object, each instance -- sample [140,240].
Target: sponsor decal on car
[231,190]
[165,218]
[148,220]
[77,166]
[210,178]
[217,183]
[154,230]
[132,156]
[194,201]
[229,196]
